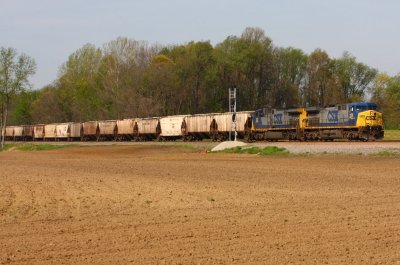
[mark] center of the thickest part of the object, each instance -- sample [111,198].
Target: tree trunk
[1,126]
[4,122]
[3,129]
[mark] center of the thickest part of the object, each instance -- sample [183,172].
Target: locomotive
[353,121]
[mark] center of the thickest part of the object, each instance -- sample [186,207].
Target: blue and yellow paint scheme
[352,121]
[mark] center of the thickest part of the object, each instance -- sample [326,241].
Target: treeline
[129,78]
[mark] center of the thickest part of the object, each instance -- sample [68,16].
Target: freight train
[352,121]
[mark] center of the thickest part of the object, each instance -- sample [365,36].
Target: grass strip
[386,153]
[36,147]
[266,151]
[392,135]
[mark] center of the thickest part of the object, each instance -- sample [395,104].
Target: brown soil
[171,205]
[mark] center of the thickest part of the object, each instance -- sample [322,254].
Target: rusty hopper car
[38,132]
[172,127]
[146,129]
[75,131]
[125,129]
[28,132]
[69,131]
[62,131]
[221,124]
[197,127]
[91,130]
[50,131]
[107,130]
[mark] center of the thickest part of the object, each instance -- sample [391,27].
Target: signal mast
[232,109]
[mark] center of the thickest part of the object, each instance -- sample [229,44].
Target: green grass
[35,147]
[7,146]
[266,151]
[392,135]
[386,153]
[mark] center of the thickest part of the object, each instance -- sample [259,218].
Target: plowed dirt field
[174,205]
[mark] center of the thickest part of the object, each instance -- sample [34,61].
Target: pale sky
[50,30]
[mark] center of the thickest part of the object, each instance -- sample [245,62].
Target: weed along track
[152,204]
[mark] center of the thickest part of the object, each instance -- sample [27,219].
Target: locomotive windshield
[361,108]
[364,107]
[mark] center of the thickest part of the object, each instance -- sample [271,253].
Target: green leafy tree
[246,63]
[386,93]
[22,107]
[288,82]
[78,85]
[160,82]
[193,64]
[319,73]
[124,65]
[257,55]
[14,74]
[354,78]
[48,107]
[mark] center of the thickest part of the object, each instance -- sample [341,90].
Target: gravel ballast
[227,145]
[357,148]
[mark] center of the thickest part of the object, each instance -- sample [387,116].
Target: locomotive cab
[366,117]
[354,109]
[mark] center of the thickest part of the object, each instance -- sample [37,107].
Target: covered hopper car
[91,130]
[107,130]
[18,133]
[197,127]
[172,127]
[146,129]
[50,132]
[38,132]
[69,131]
[28,132]
[9,133]
[124,129]
[221,124]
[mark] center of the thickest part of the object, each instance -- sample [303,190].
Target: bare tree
[14,73]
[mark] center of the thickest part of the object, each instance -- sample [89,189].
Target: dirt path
[170,205]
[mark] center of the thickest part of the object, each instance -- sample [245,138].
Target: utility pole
[232,109]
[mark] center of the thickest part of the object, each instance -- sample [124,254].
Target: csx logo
[278,118]
[332,116]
